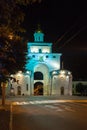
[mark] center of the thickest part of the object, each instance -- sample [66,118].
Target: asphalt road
[49,115]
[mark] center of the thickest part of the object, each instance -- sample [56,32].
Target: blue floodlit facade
[40,53]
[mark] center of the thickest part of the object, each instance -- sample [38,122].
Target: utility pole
[3,93]
[3,85]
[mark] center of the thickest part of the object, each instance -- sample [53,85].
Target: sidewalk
[4,117]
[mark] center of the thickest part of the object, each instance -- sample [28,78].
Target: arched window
[38,76]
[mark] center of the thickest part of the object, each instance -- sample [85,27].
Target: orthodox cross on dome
[38,35]
[39,29]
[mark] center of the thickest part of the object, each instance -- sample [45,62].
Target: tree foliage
[12,43]
[12,15]
[81,89]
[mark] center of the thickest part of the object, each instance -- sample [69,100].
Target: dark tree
[81,88]
[12,41]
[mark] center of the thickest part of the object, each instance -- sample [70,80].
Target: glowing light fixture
[19,74]
[54,72]
[10,36]
[69,73]
[62,72]
[27,72]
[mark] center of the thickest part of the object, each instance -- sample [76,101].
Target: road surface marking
[57,108]
[54,107]
[46,101]
[69,109]
[10,123]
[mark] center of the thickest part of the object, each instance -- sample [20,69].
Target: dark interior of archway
[38,76]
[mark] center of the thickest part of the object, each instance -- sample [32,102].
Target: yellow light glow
[19,74]
[62,72]
[45,50]
[10,36]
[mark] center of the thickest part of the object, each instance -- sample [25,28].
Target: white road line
[60,109]
[10,123]
[51,106]
[69,109]
[46,101]
[54,107]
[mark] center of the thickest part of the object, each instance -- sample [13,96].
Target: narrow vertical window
[27,87]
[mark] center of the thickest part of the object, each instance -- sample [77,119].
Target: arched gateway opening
[38,88]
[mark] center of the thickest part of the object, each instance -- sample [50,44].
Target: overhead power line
[70,38]
[74,35]
[61,38]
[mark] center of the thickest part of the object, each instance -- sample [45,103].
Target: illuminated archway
[38,88]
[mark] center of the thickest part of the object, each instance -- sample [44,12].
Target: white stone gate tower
[43,73]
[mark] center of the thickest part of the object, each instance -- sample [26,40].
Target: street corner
[5,108]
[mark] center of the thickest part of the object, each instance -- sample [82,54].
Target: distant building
[43,71]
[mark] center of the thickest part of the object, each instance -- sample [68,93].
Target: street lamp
[10,36]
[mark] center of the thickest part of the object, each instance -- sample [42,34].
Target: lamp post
[3,85]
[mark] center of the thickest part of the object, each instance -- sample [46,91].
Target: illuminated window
[27,87]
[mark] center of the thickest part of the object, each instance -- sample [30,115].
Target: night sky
[65,25]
